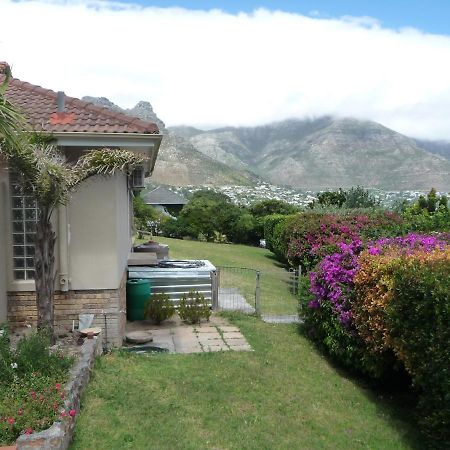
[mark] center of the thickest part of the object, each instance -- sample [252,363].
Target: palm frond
[11,122]
[106,162]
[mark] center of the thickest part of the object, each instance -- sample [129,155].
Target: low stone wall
[68,305]
[60,434]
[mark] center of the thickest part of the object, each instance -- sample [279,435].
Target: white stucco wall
[99,235]
[3,240]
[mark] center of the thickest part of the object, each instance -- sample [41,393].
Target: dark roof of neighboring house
[163,196]
[39,106]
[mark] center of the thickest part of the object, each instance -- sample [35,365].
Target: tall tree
[49,179]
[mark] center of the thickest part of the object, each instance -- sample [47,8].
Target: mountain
[179,162]
[325,153]
[437,147]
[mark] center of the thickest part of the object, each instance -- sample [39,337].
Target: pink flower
[63,414]
[29,431]
[20,412]
[57,386]
[72,413]
[10,420]
[33,395]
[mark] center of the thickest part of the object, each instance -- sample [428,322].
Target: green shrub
[159,308]
[274,234]
[419,324]
[430,213]
[31,380]
[193,307]
[32,355]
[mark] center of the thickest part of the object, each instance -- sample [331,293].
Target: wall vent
[137,178]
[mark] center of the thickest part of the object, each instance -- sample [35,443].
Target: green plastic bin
[138,293]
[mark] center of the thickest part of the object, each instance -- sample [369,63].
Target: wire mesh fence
[238,289]
[271,295]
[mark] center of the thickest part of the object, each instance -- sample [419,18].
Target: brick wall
[68,305]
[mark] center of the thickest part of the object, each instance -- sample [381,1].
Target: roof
[163,196]
[39,106]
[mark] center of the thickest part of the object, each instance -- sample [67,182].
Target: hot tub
[177,277]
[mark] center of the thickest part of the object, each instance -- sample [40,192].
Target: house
[94,230]
[165,200]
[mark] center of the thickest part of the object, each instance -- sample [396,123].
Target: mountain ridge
[327,153]
[317,153]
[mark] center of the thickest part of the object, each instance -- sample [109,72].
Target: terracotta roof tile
[39,106]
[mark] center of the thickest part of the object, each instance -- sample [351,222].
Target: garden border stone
[60,434]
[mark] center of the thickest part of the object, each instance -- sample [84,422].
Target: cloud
[210,68]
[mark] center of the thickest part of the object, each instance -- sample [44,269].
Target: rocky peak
[143,110]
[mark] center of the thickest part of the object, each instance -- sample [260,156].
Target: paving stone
[236,342]
[240,348]
[185,342]
[215,335]
[211,342]
[233,335]
[161,332]
[207,329]
[189,350]
[229,329]
[215,348]
[185,333]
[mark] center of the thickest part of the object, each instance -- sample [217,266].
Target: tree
[268,207]
[143,214]
[358,197]
[10,120]
[49,180]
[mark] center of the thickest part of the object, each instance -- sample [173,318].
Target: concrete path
[230,299]
[288,318]
[177,337]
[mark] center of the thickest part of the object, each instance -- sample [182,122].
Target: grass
[275,295]
[284,395]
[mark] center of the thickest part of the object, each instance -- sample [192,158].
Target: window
[24,218]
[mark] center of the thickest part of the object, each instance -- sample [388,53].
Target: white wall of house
[4,192]
[99,233]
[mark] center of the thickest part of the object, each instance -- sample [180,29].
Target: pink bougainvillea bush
[310,236]
[31,380]
[384,305]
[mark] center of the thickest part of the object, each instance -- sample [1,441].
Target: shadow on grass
[393,396]
[276,262]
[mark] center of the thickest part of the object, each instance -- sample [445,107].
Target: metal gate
[238,289]
[271,295]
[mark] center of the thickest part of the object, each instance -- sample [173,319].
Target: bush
[309,237]
[143,214]
[349,293]
[32,355]
[274,234]
[355,197]
[328,313]
[193,307]
[159,308]
[31,377]
[419,328]
[428,214]
[265,208]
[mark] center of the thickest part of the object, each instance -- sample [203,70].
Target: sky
[209,63]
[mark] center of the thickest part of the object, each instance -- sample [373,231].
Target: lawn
[283,395]
[275,295]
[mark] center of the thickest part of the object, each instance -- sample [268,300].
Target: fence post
[258,293]
[215,276]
